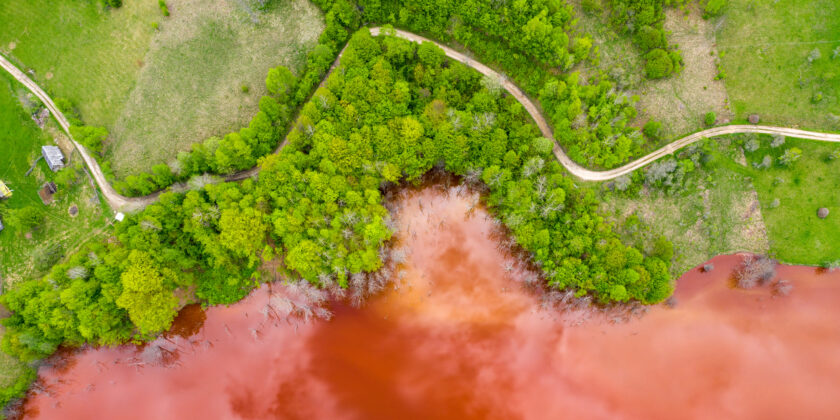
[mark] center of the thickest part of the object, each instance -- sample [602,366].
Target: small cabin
[5,192]
[53,156]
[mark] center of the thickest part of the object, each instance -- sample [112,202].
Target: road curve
[590,175]
[121,203]
[115,200]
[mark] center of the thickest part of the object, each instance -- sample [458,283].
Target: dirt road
[128,204]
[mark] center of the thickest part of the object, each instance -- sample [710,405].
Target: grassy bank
[715,212]
[25,253]
[791,195]
[743,198]
[782,61]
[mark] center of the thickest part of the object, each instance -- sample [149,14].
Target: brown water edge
[459,337]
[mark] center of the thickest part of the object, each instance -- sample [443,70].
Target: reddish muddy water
[462,338]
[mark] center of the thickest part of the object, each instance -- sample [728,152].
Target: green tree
[147,293]
[89,136]
[658,64]
[280,82]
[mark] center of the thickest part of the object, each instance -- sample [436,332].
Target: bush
[89,136]
[163,8]
[649,38]
[653,129]
[591,6]
[658,64]
[791,155]
[27,218]
[713,8]
[710,119]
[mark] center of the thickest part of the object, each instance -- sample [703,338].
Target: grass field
[190,86]
[717,212]
[157,90]
[80,51]
[796,234]
[733,204]
[679,101]
[767,45]
[21,139]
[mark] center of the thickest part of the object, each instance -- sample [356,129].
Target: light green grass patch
[22,139]
[796,234]
[80,51]
[190,87]
[715,213]
[767,45]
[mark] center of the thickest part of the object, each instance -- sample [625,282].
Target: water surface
[459,336]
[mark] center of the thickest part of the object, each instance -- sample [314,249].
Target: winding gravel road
[128,204]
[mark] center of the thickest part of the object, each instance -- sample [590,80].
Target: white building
[53,156]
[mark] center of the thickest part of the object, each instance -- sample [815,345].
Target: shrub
[89,136]
[658,64]
[713,8]
[777,141]
[591,6]
[653,129]
[163,8]
[814,55]
[710,119]
[45,257]
[649,38]
[755,270]
[27,218]
[791,155]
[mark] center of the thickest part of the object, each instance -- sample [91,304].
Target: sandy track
[121,203]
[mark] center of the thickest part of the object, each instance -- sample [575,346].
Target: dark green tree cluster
[643,21]
[591,121]
[589,117]
[390,113]
[537,29]
[110,293]
[527,40]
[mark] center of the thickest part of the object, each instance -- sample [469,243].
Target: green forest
[528,41]
[392,111]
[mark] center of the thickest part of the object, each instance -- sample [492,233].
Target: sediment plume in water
[459,336]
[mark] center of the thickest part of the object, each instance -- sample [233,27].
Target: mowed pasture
[157,83]
[790,197]
[79,51]
[21,138]
[204,75]
[782,61]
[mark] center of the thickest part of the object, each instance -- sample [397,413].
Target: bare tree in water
[755,270]
[782,288]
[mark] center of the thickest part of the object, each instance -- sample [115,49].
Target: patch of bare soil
[681,101]
[752,231]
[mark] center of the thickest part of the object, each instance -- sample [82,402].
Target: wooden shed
[53,156]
